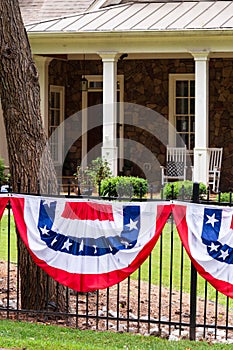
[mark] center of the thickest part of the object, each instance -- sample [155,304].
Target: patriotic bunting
[3,202]
[93,244]
[88,245]
[207,235]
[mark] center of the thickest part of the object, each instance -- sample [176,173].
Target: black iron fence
[165,297]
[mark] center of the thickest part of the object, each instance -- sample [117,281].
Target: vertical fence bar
[139,297]
[118,305]
[128,303]
[216,315]
[18,276]
[149,293]
[160,280]
[205,309]
[8,255]
[171,273]
[97,310]
[181,286]
[227,317]
[193,282]
[107,320]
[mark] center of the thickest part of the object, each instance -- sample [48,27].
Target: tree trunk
[29,156]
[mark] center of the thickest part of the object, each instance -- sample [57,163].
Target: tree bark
[29,156]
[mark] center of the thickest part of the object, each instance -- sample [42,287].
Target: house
[128,78]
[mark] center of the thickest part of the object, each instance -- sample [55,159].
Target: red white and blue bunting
[207,235]
[88,245]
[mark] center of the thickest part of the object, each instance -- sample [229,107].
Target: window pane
[182,88]
[182,124]
[57,118]
[96,85]
[57,100]
[51,122]
[192,106]
[192,123]
[192,88]
[182,139]
[182,106]
[52,97]
[192,137]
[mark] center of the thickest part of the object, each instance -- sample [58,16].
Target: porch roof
[144,16]
[41,10]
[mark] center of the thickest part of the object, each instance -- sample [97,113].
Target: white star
[126,244]
[224,254]
[44,231]
[211,219]
[47,202]
[67,245]
[54,241]
[213,247]
[81,246]
[95,247]
[132,225]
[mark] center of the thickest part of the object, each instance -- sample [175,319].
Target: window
[182,109]
[56,117]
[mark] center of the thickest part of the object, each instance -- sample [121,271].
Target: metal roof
[145,16]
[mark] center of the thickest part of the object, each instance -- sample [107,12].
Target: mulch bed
[123,301]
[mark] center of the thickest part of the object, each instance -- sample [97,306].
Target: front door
[92,120]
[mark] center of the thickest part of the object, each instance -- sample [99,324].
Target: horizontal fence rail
[165,297]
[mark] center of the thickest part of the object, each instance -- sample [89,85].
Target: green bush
[226,197]
[3,177]
[93,174]
[182,190]
[124,186]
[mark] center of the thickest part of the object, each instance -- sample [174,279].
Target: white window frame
[59,133]
[172,104]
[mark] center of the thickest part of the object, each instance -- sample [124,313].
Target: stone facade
[146,84]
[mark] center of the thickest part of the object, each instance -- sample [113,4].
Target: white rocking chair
[175,169]
[215,163]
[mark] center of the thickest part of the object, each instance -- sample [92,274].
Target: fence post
[193,282]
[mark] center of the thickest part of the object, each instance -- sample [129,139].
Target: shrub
[226,197]
[124,186]
[182,190]
[3,177]
[93,174]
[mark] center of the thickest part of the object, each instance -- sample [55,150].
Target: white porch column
[42,64]
[201,116]
[109,148]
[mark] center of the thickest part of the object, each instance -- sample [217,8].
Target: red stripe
[231,222]
[17,205]
[87,211]
[3,203]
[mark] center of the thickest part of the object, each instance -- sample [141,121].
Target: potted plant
[91,176]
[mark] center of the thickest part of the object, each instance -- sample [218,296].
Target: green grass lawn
[24,335]
[5,240]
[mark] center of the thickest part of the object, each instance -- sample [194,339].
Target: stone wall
[146,84]
[221,115]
